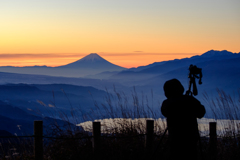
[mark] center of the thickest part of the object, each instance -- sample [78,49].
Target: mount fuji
[88,65]
[93,61]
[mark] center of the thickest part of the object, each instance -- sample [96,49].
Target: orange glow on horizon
[52,60]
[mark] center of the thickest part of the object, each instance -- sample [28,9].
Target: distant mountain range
[128,77]
[138,76]
[166,66]
[209,55]
[221,69]
[89,65]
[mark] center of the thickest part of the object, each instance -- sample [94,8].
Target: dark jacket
[182,112]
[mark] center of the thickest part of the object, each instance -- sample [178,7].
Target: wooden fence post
[38,140]
[96,136]
[149,135]
[213,140]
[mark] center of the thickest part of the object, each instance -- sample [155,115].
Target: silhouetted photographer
[182,112]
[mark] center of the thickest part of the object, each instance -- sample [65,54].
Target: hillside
[18,122]
[51,100]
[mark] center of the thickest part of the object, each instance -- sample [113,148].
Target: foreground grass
[124,138]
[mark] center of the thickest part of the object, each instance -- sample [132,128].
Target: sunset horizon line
[126,60]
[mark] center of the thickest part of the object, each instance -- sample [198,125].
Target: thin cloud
[29,55]
[143,54]
[53,55]
[127,60]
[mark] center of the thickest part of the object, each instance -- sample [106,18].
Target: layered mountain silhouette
[88,65]
[221,69]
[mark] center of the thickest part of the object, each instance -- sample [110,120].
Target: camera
[194,72]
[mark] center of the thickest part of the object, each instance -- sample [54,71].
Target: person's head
[173,88]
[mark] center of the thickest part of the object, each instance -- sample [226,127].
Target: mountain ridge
[209,55]
[137,77]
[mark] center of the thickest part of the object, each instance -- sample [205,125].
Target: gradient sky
[128,33]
